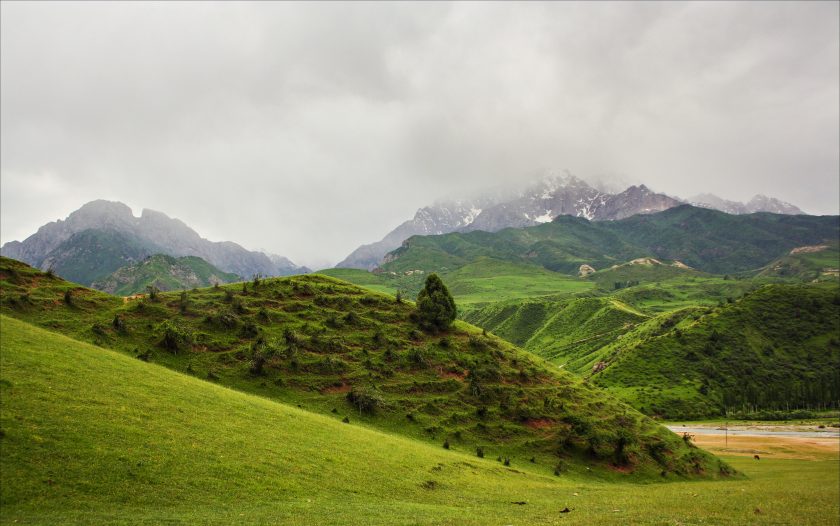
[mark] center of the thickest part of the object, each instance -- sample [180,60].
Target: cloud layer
[308,129]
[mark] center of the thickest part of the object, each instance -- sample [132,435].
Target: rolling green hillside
[165,273]
[480,281]
[151,446]
[706,240]
[565,331]
[335,348]
[778,342]
[638,271]
[775,348]
[816,262]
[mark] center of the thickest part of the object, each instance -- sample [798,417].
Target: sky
[309,129]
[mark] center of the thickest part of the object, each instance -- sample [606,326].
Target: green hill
[707,240]
[775,348]
[150,446]
[165,273]
[811,263]
[638,271]
[339,350]
[566,331]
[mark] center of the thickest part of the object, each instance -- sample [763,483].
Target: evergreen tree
[435,305]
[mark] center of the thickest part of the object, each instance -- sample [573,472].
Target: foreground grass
[91,436]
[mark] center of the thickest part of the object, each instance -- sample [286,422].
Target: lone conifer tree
[435,305]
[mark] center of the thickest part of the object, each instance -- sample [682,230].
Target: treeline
[819,394]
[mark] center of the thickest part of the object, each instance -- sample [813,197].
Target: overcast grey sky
[308,129]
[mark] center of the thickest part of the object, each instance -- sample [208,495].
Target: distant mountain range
[102,236]
[553,196]
[706,240]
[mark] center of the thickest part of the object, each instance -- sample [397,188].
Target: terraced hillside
[340,350]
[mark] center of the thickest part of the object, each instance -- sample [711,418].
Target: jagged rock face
[759,203]
[541,203]
[633,201]
[554,196]
[440,218]
[111,226]
[559,195]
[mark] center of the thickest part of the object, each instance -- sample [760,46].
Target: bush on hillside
[173,337]
[435,306]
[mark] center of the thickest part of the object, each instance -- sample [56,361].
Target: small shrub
[290,336]
[346,420]
[250,330]
[153,292]
[68,297]
[238,307]
[174,337]
[98,329]
[365,400]
[263,314]
[479,452]
[119,324]
[446,444]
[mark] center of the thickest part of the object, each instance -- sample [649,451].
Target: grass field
[481,281]
[91,436]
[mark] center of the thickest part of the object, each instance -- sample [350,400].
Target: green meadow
[95,436]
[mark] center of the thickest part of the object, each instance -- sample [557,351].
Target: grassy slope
[218,456]
[480,281]
[774,340]
[460,386]
[821,265]
[165,273]
[776,346]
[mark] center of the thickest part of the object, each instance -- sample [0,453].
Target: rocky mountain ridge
[110,228]
[552,196]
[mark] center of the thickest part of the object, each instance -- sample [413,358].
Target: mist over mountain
[759,203]
[553,195]
[102,236]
